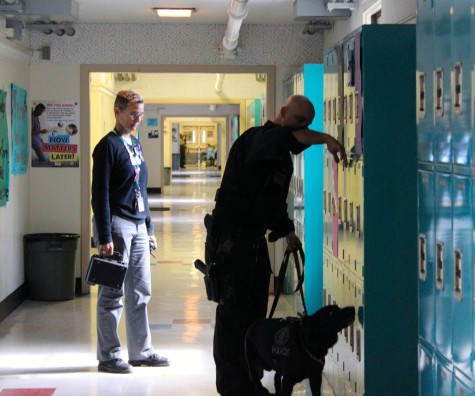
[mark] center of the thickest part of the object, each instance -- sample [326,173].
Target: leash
[300,277]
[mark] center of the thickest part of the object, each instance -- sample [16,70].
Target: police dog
[294,348]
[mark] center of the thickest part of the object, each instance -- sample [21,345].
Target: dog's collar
[320,361]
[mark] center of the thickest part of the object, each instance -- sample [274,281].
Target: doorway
[93,129]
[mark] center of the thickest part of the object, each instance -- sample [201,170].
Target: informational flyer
[20,151]
[55,133]
[4,151]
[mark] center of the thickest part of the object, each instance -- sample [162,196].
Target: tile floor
[48,348]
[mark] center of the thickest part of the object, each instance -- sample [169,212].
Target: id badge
[140,204]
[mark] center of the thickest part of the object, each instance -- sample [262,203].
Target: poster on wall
[4,154]
[20,153]
[55,133]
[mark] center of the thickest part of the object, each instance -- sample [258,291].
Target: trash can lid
[49,237]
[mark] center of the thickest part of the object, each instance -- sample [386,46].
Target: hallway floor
[48,348]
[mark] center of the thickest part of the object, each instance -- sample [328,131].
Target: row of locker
[446,291]
[343,208]
[344,365]
[445,87]
[445,81]
[370,207]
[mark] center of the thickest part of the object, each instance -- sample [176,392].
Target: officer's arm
[309,137]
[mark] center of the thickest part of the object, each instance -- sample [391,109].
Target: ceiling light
[174,12]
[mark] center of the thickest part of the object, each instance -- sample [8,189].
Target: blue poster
[20,151]
[4,163]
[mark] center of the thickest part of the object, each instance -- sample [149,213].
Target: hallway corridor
[48,348]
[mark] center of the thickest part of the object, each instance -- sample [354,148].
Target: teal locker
[426,229]
[462,272]
[462,385]
[444,376]
[443,264]
[376,198]
[442,103]
[425,81]
[427,378]
[313,184]
[461,71]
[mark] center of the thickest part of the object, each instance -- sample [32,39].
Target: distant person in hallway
[250,201]
[210,153]
[183,151]
[122,223]
[36,132]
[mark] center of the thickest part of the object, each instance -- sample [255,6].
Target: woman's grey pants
[133,242]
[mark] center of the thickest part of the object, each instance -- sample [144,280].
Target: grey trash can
[175,161]
[50,266]
[166,176]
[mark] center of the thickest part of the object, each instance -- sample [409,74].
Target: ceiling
[207,11]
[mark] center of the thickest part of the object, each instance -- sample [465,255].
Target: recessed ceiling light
[174,12]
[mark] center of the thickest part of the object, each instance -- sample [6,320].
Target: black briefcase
[106,271]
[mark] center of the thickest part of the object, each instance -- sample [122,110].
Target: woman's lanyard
[136,158]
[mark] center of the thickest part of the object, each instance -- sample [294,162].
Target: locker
[462,261]
[462,385]
[424,81]
[328,201]
[426,370]
[443,264]
[461,81]
[376,197]
[442,103]
[426,230]
[358,97]
[444,376]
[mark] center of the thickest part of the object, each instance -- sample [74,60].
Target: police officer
[250,201]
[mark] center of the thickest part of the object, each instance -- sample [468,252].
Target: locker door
[444,376]
[358,97]
[443,264]
[461,81]
[424,80]
[426,234]
[426,370]
[462,384]
[462,289]
[442,87]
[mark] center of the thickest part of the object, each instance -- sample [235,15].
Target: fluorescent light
[174,12]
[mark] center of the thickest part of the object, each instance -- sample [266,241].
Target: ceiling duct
[340,4]
[311,10]
[66,10]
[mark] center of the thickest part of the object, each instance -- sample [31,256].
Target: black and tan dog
[294,348]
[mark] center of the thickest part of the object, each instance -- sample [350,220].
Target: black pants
[249,268]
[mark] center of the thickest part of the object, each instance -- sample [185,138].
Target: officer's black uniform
[251,200]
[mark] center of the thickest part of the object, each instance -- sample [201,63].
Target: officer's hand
[335,148]
[293,241]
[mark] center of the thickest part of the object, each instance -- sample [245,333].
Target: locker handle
[422,257]
[358,219]
[324,202]
[439,92]
[358,344]
[458,274]
[422,95]
[457,84]
[439,273]
[351,217]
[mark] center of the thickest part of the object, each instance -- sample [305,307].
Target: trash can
[50,266]
[175,161]
[166,176]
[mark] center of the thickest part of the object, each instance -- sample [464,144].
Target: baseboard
[154,190]
[10,303]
